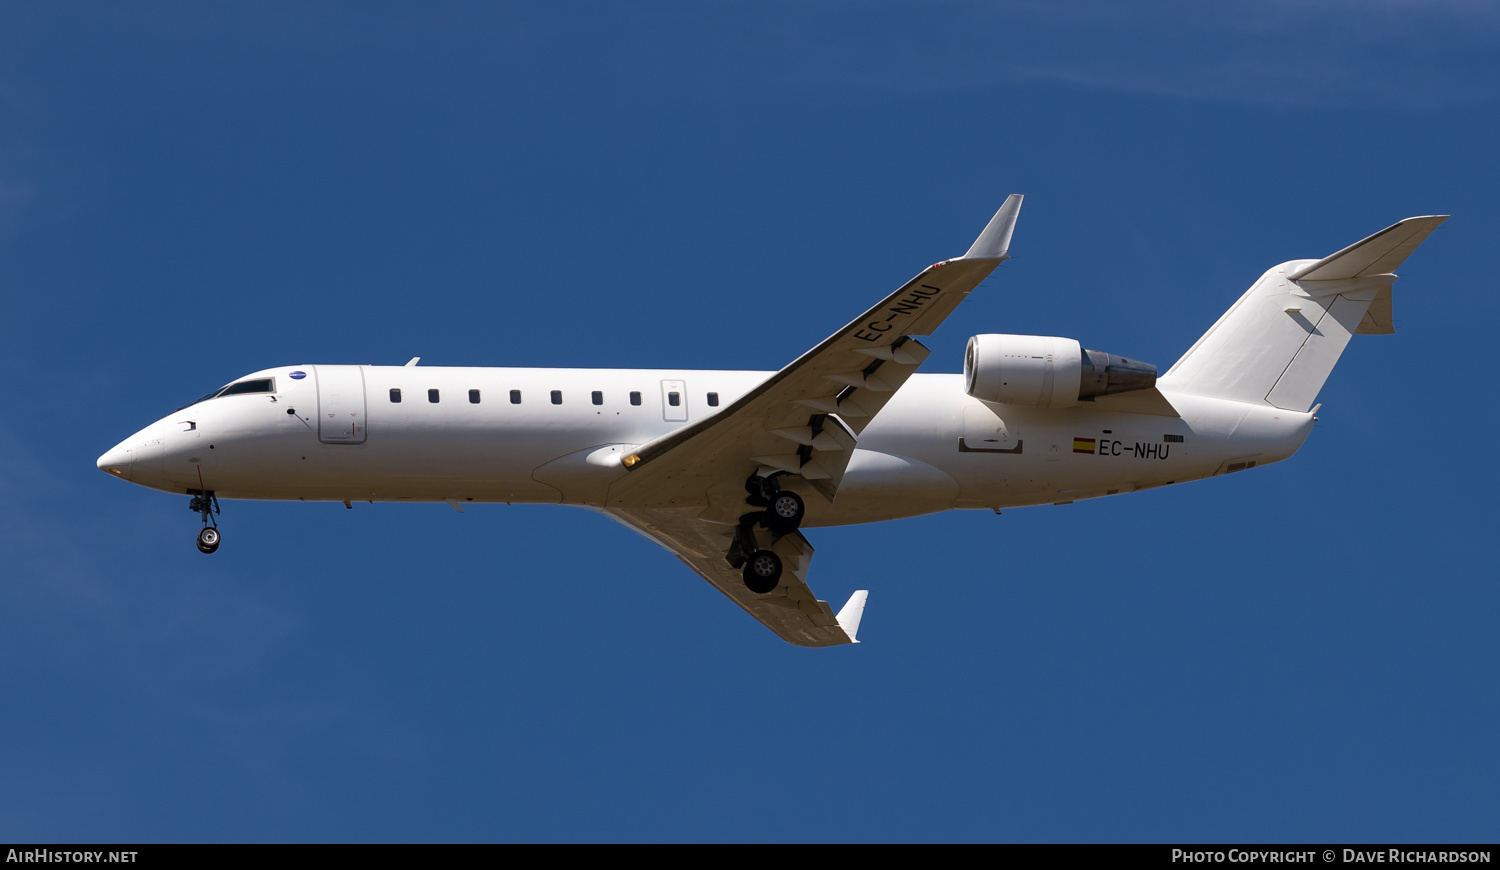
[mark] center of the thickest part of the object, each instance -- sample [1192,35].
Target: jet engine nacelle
[1047,371]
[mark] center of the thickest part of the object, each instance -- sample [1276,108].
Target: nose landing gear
[206,504]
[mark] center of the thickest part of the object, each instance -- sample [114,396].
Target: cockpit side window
[259,385]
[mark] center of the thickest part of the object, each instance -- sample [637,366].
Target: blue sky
[1303,653]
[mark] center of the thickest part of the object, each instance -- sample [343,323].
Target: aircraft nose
[116,461]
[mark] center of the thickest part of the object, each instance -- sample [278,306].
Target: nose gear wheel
[206,504]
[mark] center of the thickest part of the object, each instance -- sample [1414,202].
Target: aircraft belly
[393,464]
[885,486]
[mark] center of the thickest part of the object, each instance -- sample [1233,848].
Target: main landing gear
[206,504]
[763,572]
[781,514]
[785,513]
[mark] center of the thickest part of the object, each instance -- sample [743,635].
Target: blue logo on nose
[297,376]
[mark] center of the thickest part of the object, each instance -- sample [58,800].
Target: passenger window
[396,395]
[713,400]
[557,397]
[635,398]
[674,399]
[515,397]
[473,397]
[259,385]
[432,396]
[598,397]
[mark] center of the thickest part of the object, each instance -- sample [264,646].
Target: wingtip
[994,242]
[852,612]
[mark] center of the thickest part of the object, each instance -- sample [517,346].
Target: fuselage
[470,435]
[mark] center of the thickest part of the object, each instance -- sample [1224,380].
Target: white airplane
[723,468]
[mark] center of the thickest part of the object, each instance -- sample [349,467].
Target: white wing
[686,490]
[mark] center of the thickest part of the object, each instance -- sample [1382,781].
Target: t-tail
[1277,345]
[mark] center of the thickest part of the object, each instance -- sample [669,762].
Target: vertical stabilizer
[1279,342]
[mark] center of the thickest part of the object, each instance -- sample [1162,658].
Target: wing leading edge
[686,490]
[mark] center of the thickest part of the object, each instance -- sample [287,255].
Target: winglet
[1375,255]
[994,242]
[851,613]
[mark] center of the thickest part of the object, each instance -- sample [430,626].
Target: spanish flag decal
[1083,445]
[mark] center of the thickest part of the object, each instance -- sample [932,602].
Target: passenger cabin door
[674,401]
[341,404]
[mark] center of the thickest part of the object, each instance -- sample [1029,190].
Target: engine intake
[1047,371]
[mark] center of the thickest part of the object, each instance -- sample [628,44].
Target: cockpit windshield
[254,385]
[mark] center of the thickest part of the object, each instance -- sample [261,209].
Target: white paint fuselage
[932,448]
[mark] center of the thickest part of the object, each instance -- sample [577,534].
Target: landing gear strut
[762,568]
[782,513]
[206,504]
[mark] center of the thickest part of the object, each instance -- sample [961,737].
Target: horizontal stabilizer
[1377,255]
